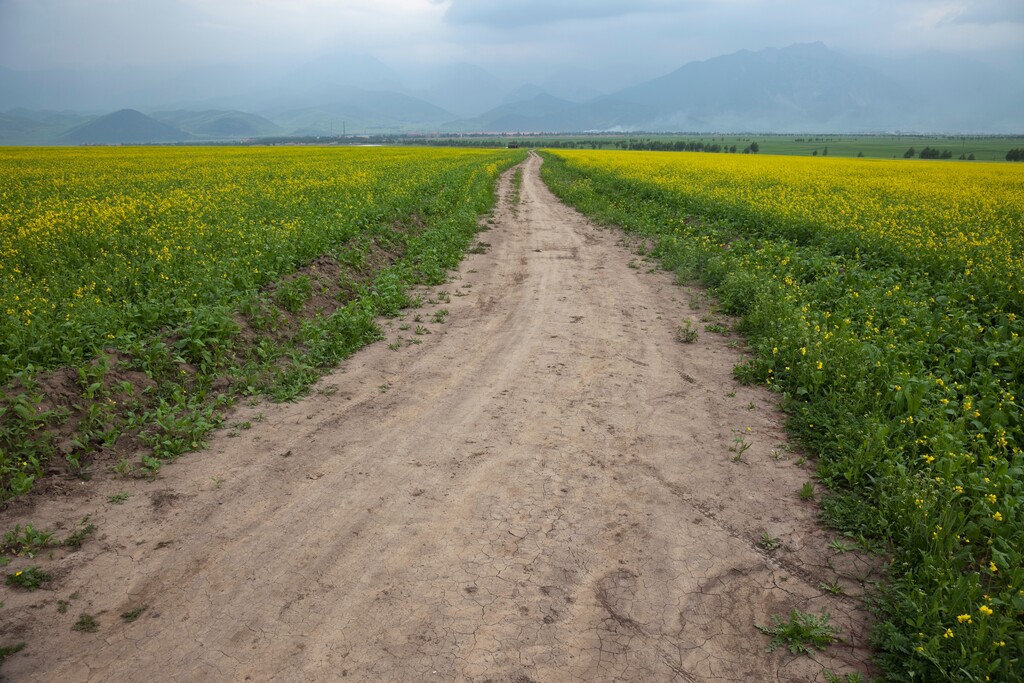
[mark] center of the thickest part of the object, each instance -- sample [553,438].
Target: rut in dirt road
[542,490]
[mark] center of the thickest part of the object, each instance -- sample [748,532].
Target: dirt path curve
[542,490]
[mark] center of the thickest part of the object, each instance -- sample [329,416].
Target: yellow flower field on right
[884,301]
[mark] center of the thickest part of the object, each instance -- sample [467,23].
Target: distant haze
[460,60]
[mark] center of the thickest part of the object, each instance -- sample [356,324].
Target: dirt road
[541,490]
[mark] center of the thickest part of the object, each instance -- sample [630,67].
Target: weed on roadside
[739,447]
[686,333]
[78,536]
[769,542]
[29,579]
[25,542]
[8,650]
[86,624]
[801,632]
[133,614]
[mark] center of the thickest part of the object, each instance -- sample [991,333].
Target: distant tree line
[931,153]
[1015,155]
[684,146]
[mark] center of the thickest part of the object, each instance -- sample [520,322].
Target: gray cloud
[598,43]
[991,12]
[501,13]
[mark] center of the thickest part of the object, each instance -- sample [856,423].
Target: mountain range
[801,88]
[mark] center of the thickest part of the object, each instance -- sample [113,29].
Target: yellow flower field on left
[96,244]
[145,288]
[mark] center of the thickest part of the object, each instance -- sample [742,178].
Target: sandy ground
[541,490]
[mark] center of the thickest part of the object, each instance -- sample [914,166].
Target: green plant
[739,447]
[118,498]
[78,536]
[807,491]
[134,613]
[25,542]
[8,650]
[440,315]
[686,333]
[86,624]
[833,587]
[30,578]
[124,468]
[717,328]
[852,677]
[769,542]
[800,632]
[839,546]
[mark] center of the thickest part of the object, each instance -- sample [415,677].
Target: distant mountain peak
[123,127]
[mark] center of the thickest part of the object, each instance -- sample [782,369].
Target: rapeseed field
[884,301]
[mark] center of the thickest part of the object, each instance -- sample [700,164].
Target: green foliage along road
[139,284]
[886,306]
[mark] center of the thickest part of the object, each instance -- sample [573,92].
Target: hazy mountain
[355,110]
[463,89]
[801,88]
[124,127]
[527,91]
[798,88]
[540,112]
[218,124]
[958,93]
[28,127]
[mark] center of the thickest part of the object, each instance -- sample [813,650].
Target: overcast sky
[652,36]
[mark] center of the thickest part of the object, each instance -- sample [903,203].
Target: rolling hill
[123,127]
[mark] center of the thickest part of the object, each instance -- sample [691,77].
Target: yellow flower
[948,633]
[985,610]
[964,617]
[993,567]
[998,516]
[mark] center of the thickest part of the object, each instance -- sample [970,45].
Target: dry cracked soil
[539,488]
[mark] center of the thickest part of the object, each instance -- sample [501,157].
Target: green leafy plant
[738,448]
[769,542]
[686,333]
[78,536]
[86,624]
[800,632]
[25,542]
[30,578]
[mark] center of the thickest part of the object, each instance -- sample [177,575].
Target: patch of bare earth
[541,490]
